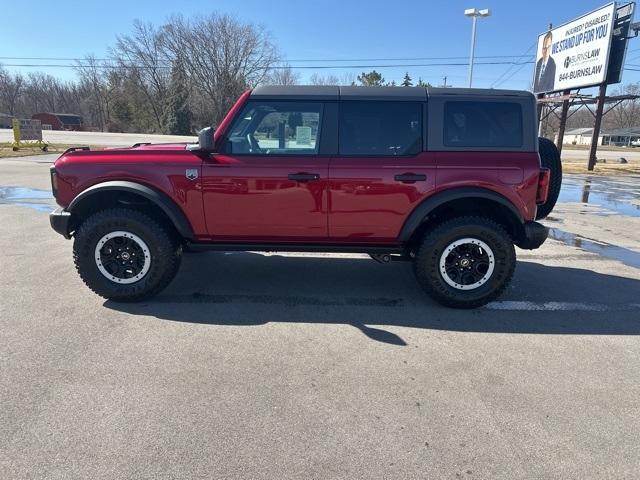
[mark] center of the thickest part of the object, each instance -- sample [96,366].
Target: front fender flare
[160,199]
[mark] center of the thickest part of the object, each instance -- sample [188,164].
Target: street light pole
[473,48]
[474,13]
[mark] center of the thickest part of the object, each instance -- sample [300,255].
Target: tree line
[624,115]
[180,76]
[171,78]
[174,78]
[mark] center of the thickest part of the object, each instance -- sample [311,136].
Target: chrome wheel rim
[122,257]
[467,263]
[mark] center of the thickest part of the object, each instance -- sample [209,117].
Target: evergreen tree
[407,82]
[421,83]
[371,79]
[176,119]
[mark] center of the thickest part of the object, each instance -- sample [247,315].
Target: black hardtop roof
[331,92]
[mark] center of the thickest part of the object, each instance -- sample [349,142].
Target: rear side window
[380,128]
[482,124]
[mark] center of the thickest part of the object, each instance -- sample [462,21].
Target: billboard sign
[576,54]
[619,42]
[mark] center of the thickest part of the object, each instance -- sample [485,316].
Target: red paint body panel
[250,198]
[229,117]
[244,198]
[367,205]
[513,175]
[153,146]
[163,170]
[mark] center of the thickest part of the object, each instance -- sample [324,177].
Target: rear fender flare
[422,211]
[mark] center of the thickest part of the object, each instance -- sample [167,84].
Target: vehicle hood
[136,154]
[152,146]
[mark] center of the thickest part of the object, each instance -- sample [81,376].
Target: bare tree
[221,55]
[41,92]
[282,76]
[11,89]
[93,80]
[627,113]
[347,78]
[317,79]
[144,56]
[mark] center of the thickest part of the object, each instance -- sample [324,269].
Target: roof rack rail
[74,149]
[139,144]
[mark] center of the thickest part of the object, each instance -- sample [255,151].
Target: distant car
[448,179]
[635,143]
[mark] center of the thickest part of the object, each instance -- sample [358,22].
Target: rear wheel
[465,262]
[550,158]
[125,255]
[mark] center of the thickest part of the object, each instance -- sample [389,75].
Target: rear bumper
[534,235]
[60,221]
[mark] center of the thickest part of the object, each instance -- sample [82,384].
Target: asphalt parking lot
[254,365]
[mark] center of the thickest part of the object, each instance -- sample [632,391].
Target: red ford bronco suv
[449,179]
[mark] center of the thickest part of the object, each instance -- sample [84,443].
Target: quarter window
[276,128]
[482,124]
[380,128]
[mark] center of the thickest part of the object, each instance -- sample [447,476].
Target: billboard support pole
[602,93]
[539,108]
[563,120]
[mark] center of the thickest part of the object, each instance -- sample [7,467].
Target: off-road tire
[427,261]
[165,252]
[550,158]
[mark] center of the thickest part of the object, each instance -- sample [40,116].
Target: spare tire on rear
[550,158]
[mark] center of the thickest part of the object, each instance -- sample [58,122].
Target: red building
[60,121]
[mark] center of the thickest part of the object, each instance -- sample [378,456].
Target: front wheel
[125,255]
[465,262]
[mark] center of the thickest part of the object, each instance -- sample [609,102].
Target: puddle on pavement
[618,195]
[624,255]
[40,200]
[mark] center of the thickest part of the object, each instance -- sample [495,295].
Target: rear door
[269,183]
[381,171]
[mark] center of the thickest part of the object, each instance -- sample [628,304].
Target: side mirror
[205,140]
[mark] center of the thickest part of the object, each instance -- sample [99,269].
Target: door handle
[410,177]
[304,177]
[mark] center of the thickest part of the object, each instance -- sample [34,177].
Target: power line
[524,64]
[294,67]
[320,60]
[502,78]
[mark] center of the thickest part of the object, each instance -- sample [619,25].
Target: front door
[269,183]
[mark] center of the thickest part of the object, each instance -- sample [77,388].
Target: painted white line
[560,306]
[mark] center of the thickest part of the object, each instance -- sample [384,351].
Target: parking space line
[560,306]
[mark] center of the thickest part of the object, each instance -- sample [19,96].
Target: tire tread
[425,265]
[550,158]
[110,217]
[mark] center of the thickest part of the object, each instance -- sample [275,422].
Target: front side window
[482,124]
[276,128]
[380,128]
